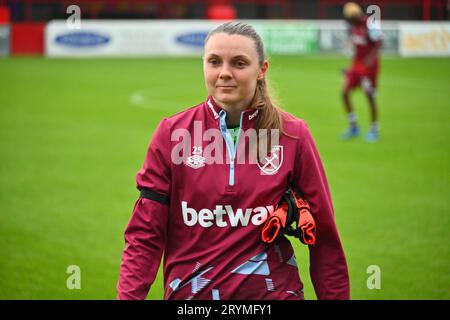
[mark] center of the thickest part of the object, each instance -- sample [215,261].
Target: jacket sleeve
[145,233]
[328,267]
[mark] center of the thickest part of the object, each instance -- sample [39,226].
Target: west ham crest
[271,164]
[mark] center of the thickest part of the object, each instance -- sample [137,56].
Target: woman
[204,198]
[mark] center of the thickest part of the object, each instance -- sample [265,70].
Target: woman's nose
[225,72]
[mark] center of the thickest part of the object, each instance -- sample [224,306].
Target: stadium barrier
[127,38]
[138,38]
[4,31]
[420,39]
[27,38]
[167,38]
[4,40]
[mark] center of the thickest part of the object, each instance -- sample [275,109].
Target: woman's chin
[225,98]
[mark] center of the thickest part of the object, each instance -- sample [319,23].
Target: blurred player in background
[366,39]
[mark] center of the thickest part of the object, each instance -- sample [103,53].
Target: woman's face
[231,69]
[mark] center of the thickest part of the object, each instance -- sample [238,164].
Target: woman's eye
[240,64]
[214,62]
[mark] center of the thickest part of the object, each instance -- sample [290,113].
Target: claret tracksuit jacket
[203,204]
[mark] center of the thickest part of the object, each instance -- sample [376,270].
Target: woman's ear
[263,70]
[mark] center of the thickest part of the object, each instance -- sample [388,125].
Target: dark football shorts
[356,77]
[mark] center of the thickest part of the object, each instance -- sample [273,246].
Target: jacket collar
[248,116]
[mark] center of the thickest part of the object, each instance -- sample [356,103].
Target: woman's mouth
[226,87]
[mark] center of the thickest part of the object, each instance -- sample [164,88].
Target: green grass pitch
[75,132]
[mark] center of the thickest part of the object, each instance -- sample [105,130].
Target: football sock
[351,116]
